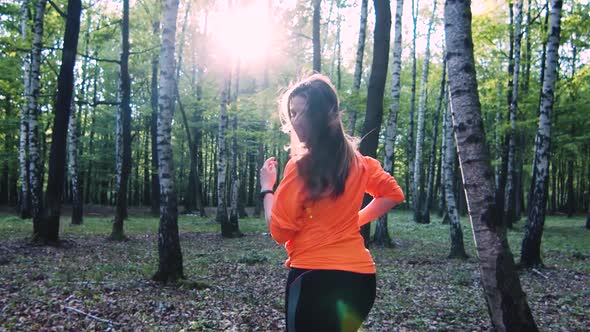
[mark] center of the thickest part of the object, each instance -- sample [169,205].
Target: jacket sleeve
[380,183]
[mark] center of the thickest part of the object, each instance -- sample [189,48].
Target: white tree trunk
[170,255]
[25,199]
[417,187]
[358,66]
[73,166]
[35,179]
[531,244]
[381,236]
[233,229]
[505,298]
[456,233]
[430,179]
[221,216]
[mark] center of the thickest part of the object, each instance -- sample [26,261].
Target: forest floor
[90,283]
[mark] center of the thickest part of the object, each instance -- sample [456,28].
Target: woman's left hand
[268,174]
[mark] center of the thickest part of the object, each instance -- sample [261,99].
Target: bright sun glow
[243,32]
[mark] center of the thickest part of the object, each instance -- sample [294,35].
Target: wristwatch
[264,192]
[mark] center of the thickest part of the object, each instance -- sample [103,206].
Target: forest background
[230,63]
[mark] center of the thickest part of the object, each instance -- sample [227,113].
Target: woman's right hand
[268,174]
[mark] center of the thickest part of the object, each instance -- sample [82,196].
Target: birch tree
[170,266]
[35,179]
[358,65]
[155,188]
[531,244]
[124,131]
[417,186]
[25,198]
[410,147]
[432,160]
[456,233]
[317,47]
[381,236]
[221,216]
[233,229]
[505,298]
[376,90]
[73,164]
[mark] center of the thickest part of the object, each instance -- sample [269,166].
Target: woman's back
[324,234]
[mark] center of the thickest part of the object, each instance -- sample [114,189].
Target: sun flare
[243,32]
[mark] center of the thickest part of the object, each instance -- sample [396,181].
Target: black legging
[328,300]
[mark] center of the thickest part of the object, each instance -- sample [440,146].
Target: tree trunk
[57,158]
[259,163]
[531,244]
[25,197]
[541,80]
[317,48]
[358,66]
[417,186]
[430,182]
[456,232]
[510,191]
[376,91]
[146,166]
[381,236]
[221,216]
[35,178]
[588,218]
[360,50]
[170,267]
[570,205]
[506,300]
[155,196]
[232,228]
[124,136]
[501,188]
[77,200]
[498,135]
[410,148]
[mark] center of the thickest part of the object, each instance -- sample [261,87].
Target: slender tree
[531,244]
[505,298]
[410,147]
[124,131]
[35,178]
[376,90]
[233,229]
[456,232]
[358,65]
[317,47]
[381,236]
[25,198]
[430,192]
[170,266]
[77,200]
[510,191]
[63,101]
[588,218]
[221,216]
[155,196]
[417,186]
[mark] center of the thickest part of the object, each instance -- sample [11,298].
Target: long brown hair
[328,151]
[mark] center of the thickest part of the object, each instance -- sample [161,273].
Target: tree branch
[60,12]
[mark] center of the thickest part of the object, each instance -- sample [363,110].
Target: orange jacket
[325,234]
